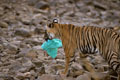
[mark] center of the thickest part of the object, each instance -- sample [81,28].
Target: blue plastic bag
[51,46]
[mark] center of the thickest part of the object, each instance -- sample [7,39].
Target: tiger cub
[87,39]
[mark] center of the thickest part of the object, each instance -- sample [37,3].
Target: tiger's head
[52,30]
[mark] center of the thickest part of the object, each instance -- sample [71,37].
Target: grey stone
[11,48]
[3,24]
[42,5]
[84,77]
[39,31]
[22,32]
[47,77]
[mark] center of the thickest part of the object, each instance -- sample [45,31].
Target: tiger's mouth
[51,36]
[48,36]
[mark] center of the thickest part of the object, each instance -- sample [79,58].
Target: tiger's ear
[55,21]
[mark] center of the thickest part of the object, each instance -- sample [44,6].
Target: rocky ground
[22,30]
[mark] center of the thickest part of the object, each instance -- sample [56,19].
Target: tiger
[87,39]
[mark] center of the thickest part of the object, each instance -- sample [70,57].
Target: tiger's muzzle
[48,36]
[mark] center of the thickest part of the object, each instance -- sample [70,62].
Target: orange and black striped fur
[87,40]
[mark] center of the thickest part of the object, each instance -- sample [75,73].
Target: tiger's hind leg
[118,77]
[86,63]
[83,55]
[114,63]
[118,72]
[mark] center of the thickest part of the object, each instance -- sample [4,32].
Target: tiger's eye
[50,26]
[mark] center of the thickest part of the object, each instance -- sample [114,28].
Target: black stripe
[77,38]
[117,36]
[82,37]
[114,63]
[118,67]
[109,57]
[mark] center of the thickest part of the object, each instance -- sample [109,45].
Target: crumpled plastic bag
[51,47]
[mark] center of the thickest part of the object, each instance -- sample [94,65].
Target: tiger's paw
[62,73]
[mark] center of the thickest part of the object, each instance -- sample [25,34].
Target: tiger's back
[91,39]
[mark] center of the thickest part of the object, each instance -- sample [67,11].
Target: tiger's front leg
[69,52]
[67,59]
